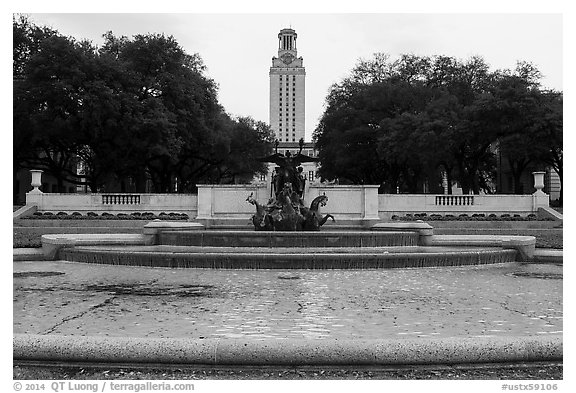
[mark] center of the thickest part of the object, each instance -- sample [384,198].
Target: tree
[190,140]
[347,133]
[547,133]
[509,110]
[519,113]
[131,110]
[47,105]
[401,122]
[386,101]
[26,39]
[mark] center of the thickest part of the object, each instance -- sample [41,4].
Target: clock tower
[287,90]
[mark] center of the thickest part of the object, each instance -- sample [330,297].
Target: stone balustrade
[347,203]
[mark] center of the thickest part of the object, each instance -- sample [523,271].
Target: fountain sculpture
[287,236]
[285,211]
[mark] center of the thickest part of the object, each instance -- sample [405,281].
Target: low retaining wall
[114,203]
[361,204]
[402,204]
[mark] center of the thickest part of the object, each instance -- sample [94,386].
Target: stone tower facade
[287,76]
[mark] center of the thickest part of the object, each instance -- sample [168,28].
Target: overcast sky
[237,48]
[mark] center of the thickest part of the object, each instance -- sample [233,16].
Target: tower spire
[287,76]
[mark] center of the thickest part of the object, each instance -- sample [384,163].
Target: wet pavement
[71,298]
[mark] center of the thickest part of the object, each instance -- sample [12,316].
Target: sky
[237,48]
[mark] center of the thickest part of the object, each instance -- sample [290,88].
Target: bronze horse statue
[286,213]
[313,220]
[262,220]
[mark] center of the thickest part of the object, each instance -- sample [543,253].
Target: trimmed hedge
[106,216]
[466,217]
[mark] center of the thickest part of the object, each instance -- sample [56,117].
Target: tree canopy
[134,109]
[416,119]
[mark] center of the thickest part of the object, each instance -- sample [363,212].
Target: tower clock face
[287,58]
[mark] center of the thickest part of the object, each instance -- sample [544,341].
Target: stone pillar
[539,198]
[370,204]
[205,196]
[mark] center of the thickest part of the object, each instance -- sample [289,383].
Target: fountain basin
[224,249]
[287,258]
[500,300]
[288,239]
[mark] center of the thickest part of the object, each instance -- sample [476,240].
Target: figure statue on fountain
[288,170]
[286,211]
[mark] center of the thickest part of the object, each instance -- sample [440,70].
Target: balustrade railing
[454,200]
[120,199]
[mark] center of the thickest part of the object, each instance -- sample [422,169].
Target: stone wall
[402,204]
[345,202]
[114,203]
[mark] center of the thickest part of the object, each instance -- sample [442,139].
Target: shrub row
[466,217]
[107,216]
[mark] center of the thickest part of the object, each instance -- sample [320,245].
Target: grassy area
[25,238]
[545,238]
[30,237]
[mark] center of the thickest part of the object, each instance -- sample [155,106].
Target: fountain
[287,236]
[331,311]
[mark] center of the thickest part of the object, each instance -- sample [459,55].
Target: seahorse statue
[313,220]
[262,220]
